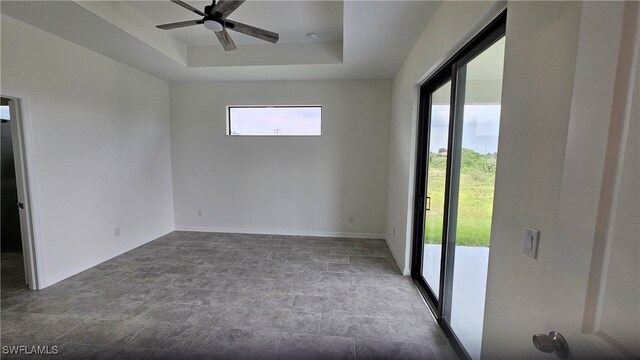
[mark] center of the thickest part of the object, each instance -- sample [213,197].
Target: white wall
[541,58]
[453,24]
[285,185]
[567,86]
[101,149]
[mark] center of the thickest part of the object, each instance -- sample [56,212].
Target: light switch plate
[530,239]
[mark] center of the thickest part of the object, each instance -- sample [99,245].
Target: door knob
[552,343]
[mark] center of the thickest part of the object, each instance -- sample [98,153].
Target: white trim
[405,269]
[105,256]
[34,246]
[282,232]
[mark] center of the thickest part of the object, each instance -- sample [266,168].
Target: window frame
[228,121]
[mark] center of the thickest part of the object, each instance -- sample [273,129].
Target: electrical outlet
[351,219]
[116,231]
[199,212]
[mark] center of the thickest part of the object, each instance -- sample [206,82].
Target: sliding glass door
[471,195]
[434,204]
[455,181]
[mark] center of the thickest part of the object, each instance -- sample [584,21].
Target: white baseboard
[282,232]
[405,268]
[67,273]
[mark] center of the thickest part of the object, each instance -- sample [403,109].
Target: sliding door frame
[450,70]
[420,188]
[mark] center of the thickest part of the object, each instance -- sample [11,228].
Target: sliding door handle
[427,203]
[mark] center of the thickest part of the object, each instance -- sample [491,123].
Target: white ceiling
[357,39]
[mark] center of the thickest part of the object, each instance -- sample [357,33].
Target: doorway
[13,270]
[18,271]
[455,181]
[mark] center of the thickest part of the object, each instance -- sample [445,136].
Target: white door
[593,281]
[23,197]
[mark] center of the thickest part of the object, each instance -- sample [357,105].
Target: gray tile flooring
[228,296]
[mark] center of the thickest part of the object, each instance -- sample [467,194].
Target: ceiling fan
[214,18]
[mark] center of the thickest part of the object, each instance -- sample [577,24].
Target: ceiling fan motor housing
[213,25]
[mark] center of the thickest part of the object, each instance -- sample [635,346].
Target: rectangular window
[274,120]
[4,112]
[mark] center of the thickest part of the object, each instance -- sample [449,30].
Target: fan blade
[226,7]
[179,24]
[188,7]
[252,31]
[225,40]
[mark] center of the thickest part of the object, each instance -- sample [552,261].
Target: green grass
[475,203]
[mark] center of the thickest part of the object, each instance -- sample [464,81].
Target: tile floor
[227,296]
